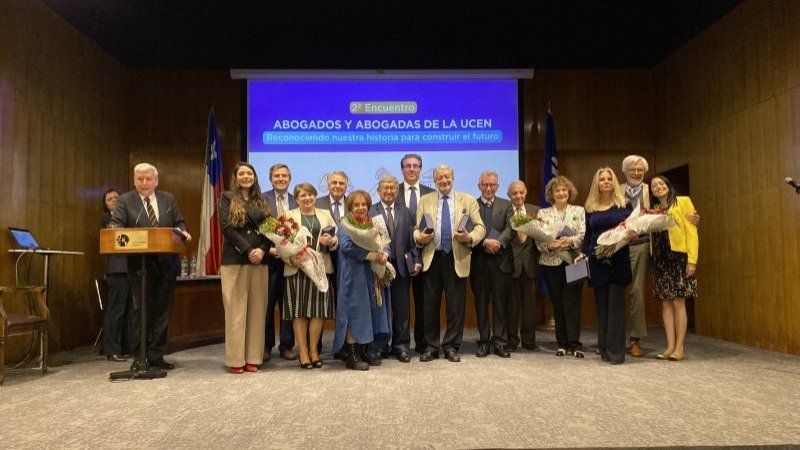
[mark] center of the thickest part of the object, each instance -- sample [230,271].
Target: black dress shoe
[533,348]
[403,357]
[501,351]
[288,355]
[452,355]
[483,349]
[373,359]
[162,364]
[429,356]
[116,358]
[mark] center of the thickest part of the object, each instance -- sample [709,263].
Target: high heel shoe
[317,364]
[237,370]
[676,357]
[306,366]
[250,368]
[663,355]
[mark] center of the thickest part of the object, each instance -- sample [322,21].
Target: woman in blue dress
[605,208]
[359,319]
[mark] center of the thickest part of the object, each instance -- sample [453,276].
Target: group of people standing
[434,252]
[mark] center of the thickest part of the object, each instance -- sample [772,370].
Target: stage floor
[722,394]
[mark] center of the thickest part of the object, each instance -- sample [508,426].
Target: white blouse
[574,217]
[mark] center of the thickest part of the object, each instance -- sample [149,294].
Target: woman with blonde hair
[244,273]
[605,208]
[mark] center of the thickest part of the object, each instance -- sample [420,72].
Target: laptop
[24,238]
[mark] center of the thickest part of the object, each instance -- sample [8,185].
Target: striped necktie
[151,214]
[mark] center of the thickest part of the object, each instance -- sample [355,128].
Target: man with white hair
[142,208]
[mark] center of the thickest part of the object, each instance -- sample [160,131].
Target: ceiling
[295,34]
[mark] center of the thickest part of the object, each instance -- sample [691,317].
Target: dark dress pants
[116,323]
[401,311]
[566,300]
[418,286]
[160,294]
[274,299]
[522,308]
[441,276]
[611,321]
[492,286]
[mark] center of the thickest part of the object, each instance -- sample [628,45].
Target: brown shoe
[288,355]
[636,350]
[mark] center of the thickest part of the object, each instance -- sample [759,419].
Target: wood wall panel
[727,105]
[62,140]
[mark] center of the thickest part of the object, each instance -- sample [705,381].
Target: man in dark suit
[142,208]
[526,271]
[280,201]
[491,267]
[400,224]
[446,258]
[409,192]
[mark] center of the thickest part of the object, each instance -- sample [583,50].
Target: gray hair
[633,159]
[514,183]
[341,174]
[444,167]
[487,173]
[145,167]
[388,179]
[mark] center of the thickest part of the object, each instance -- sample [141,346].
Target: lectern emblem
[122,240]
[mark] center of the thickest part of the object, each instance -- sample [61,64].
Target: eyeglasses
[488,185]
[412,166]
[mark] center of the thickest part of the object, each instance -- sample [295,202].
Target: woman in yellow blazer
[674,254]
[303,303]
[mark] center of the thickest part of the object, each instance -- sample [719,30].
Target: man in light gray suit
[526,271]
[280,201]
[142,208]
[491,267]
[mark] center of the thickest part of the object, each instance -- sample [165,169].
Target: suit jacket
[401,193]
[131,213]
[501,212]
[526,256]
[403,241]
[682,237]
[273,202]
[326,220]
[239,241]
[429,203]
[645,195]
[325,203]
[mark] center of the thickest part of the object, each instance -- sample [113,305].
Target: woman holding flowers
[243,273]
[303,302]
[566,297]
[674,254]
[606,208]
[363,308]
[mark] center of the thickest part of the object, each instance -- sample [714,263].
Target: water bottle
[184,267]
[193,267]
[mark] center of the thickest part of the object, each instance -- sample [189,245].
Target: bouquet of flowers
[373,236]
[291,239]
[640,221]
[542,231]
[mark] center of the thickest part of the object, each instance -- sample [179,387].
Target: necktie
[521,237]
[390,222]
[280,206]
[412,201]
[487,214]
[446,235]
[151,214]
[336,211]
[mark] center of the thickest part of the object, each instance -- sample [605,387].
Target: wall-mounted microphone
[136,223]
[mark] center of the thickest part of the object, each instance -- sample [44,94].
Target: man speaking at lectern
[145,208]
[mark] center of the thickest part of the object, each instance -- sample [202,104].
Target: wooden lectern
[142,242]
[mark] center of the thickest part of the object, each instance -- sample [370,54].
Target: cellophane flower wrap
[372,235]
[541,231]
[640,221]
[292,239]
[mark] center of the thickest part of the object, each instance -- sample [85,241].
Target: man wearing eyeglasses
[410,191]
[491,268]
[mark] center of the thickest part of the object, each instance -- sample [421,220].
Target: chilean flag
[209,247]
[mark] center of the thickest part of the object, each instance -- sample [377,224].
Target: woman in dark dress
[605,208]
[674,253]
[116,343]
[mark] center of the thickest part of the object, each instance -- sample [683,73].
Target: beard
[635,183]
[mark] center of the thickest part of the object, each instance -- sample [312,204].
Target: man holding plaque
[491,268]
[447,247]
[142,208]
[404,256]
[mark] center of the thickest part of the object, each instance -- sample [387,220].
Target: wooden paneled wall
[600,116]
[728,104]
[63,140]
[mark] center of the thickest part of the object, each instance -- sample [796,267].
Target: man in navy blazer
[280,201]
[400,223]
[409,192]
[142,208]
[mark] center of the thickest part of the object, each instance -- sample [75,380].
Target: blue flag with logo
[550,167]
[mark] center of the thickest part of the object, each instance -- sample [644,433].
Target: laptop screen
[24,238]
